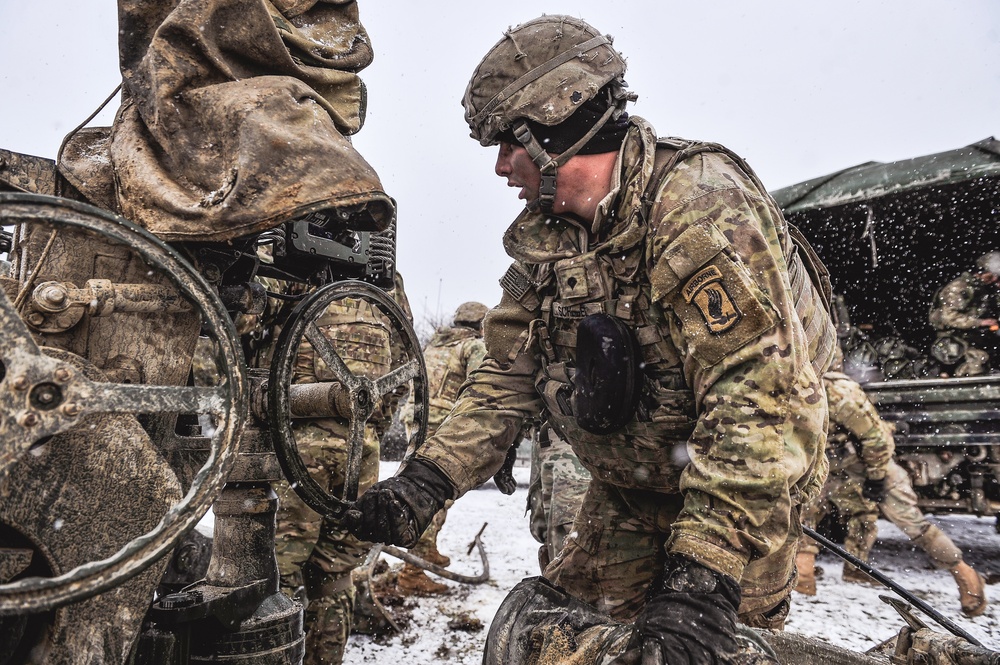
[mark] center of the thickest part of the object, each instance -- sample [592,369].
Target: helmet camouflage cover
[542,70]
[470,312]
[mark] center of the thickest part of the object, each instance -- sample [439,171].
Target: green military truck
[891,234]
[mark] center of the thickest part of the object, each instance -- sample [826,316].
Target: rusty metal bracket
[42,392]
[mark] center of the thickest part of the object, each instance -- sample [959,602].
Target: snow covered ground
[848,615]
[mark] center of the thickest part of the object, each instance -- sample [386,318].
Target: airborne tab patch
[706,291]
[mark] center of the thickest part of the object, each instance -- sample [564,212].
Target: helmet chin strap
[549,165]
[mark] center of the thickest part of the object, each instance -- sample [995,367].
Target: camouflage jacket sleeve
[472,442]
[851,410]
[953,307]
[475,354]
[716,265]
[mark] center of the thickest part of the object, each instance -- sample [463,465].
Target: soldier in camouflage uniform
[658,316]
[450,356]
[962,310]
[864,479]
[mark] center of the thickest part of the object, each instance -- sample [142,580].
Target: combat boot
[858,576]
[434,556]
[415,582]
[971,591]
[805,565]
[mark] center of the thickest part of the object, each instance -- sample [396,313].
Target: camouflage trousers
[843,490]
[556,488]
[616,550]
[315,557]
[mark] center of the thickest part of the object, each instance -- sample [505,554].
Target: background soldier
[964,309]
[634,321]
[864,479]
[450,356]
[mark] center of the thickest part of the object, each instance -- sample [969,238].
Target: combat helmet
[949,349]
[539,75]
[470,314]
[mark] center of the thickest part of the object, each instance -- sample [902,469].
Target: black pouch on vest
[608,377]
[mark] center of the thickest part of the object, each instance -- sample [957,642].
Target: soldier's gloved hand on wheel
[397,510]
[690,619]
[875,489]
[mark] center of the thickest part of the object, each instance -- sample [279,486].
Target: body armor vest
[446,372]
[650,451]
[360,337]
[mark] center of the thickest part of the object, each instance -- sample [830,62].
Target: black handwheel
[359,395]
[43,394]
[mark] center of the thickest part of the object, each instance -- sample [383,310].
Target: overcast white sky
[800,89]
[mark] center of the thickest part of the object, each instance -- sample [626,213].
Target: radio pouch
[608,377]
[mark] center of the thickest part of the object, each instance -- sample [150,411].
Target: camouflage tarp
[234,119]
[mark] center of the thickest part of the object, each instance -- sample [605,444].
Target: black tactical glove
[397,510]
[690,618]
[875,489]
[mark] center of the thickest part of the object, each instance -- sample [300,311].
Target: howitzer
[109,459]
[133,255]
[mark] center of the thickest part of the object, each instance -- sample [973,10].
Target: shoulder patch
[707,291]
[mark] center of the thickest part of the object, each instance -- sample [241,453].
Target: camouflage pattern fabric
[556,489]
[315,558]
[398,294]
[450,356]
[859,445]
[959,304]
[427,545]
[844,491]
[958,310]
[396,402]
[900,508]
[856,431]
[235,118]
[728,439]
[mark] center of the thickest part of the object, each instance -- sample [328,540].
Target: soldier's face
[514,164]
